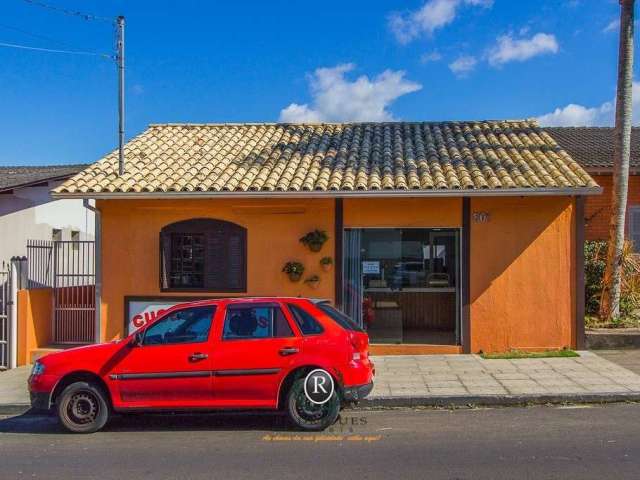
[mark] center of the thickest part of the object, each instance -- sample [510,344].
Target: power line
[73,13]
[34,35]
[51,50]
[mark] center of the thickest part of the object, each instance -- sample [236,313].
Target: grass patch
[515,354]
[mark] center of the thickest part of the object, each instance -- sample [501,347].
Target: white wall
[31,214]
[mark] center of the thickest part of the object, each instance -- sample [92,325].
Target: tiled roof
[14,177]
[592,147]
[348,157]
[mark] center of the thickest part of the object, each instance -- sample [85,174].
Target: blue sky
[264,61]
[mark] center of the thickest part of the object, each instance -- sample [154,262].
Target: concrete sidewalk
[469,379]
[427,380]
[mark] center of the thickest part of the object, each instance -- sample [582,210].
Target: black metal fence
[40,258]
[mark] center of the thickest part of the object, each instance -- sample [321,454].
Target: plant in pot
[313,281]
[326,263]
[294,270]
[315,239]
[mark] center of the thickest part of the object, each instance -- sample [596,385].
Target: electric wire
[73,13]
[52,50]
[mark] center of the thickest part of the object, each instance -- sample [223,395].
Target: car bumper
[40,400]
[357,392]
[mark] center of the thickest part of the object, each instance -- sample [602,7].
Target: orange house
[592,148]
[436,237]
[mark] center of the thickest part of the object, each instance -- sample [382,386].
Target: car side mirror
[136,340]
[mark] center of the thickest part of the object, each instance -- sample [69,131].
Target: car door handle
[288,351]
[194,357]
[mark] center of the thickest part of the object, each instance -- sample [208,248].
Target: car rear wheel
[307,415]
[82,408]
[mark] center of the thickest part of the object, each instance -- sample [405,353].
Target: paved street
[526,443]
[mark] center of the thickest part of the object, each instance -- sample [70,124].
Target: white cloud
[612,26]
[432,15]
[574,115]
[335,98]
[430,57]
[509,49]
[463,65]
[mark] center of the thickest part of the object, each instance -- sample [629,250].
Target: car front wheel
[307,415]
[82,408]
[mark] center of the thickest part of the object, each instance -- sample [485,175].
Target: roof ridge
[64,165]
[391,122]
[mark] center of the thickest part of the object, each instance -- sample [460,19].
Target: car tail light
[359,345]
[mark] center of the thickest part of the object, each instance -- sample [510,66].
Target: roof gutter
[507,192]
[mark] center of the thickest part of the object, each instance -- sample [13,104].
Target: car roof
[235,300]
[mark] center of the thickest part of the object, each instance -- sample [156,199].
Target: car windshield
[339,317]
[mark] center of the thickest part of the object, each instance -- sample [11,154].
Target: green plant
[294,270]
[313,281]
[315,239]
[326,261]
[515,354]
[595,256]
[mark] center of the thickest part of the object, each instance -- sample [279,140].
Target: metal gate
[74,300]
[5,305]
[69,268]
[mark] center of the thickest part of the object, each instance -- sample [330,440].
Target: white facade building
[27,211]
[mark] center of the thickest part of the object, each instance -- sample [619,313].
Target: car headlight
[38,369]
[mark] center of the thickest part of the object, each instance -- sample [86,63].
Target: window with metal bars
[203,254]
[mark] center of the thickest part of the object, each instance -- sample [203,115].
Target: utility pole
[120,61]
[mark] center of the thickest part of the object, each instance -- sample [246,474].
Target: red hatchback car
[243,353]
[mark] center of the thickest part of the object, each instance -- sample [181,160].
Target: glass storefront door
[401,284]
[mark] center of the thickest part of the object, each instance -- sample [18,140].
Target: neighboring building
[28,212]
[445,237]
[592,147]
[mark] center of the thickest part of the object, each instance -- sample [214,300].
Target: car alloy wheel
[308,415]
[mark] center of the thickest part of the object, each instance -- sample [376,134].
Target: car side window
[190,325]
[251,322]
[305,321]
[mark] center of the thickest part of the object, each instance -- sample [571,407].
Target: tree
[610,301]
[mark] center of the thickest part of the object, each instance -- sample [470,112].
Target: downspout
[97,267]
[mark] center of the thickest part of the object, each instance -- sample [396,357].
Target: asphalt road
[521,443]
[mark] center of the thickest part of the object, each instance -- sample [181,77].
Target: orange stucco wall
[522,274]
[522,278]
[402,212]
[130,246]
[597,209]
[34,321]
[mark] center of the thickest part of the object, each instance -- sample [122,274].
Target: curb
[443,401]
[14,408]
[497,400]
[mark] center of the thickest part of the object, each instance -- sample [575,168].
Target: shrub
[595,256]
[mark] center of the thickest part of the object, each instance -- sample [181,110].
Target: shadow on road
[47,424]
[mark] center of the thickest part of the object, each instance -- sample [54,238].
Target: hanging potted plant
[315,239]
[313,281]
[294,270]
[326,263]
